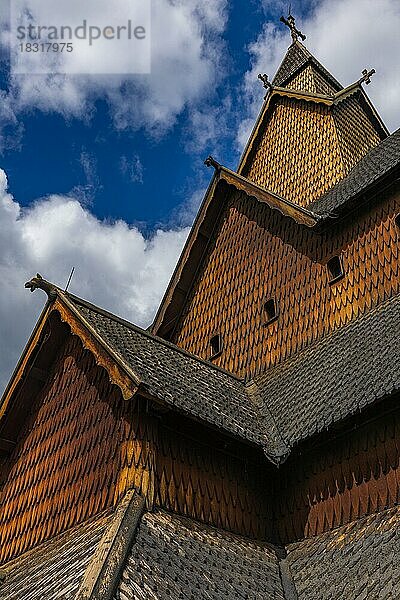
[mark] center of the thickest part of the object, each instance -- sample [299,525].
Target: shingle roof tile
[190,384]
[54,569]
[336,377]
[377,163]
[359,560]
[176,557]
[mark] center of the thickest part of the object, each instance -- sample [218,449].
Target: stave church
[247,444]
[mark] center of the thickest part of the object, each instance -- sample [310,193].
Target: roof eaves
[275,448]
[150,335]
[63,296]
[274,201]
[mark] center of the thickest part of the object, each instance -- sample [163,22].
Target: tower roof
[298,58]
[311,131]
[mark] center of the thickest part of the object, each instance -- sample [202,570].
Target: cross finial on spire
[291,23]
[366,78]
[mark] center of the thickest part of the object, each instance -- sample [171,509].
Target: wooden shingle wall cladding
[332,485]
[257,254]
[356,134]
[82,447]
[309,80]
[225,485]
[72,459]
[305,148]
[298,156]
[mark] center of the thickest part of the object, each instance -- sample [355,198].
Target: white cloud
[186,54]
[346,36]
[116,267]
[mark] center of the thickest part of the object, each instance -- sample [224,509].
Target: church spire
[310,127]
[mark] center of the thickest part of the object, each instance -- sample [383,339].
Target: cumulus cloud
[116,267]
[346,36]
[186,52]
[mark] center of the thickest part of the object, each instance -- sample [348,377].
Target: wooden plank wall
[258,254]
[357,474]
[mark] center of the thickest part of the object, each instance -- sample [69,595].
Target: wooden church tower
[248,445]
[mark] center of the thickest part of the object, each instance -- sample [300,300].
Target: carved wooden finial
[366,78]
[211,162]
[38,283]
[291,23]
[267,84]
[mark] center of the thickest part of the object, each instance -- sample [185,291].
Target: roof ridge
[148,334]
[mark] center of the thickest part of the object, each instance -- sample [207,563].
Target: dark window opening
[270,311]
[397,220]
[335,268]
[216,345]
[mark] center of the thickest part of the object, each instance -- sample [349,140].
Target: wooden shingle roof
[351,369]
[295,59]
[378,163]
[338,376]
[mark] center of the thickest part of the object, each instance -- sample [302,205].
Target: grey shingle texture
[180,379]
[360,561]
[328,381]
[337,376]
[175,557]
[377,163]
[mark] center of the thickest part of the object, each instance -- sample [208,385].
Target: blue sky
[112,170]
[106,173]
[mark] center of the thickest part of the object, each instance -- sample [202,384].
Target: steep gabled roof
[310,129]
[296,58]
[215,200]
[336,377]
[171,375]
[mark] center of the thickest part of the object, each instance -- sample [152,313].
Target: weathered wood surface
[257,254]
[340,481]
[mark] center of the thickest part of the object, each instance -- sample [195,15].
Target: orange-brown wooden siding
[257,254]
[83,446]
[309,80]
[70,458]
[305,148]
[199,477]
[353,476]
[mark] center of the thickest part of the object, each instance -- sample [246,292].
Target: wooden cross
[291,23]
[367,76]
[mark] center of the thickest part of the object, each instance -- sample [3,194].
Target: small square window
[216,345]
[270,311]
[335,268]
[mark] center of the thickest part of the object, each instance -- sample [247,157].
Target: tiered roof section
[311,131]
